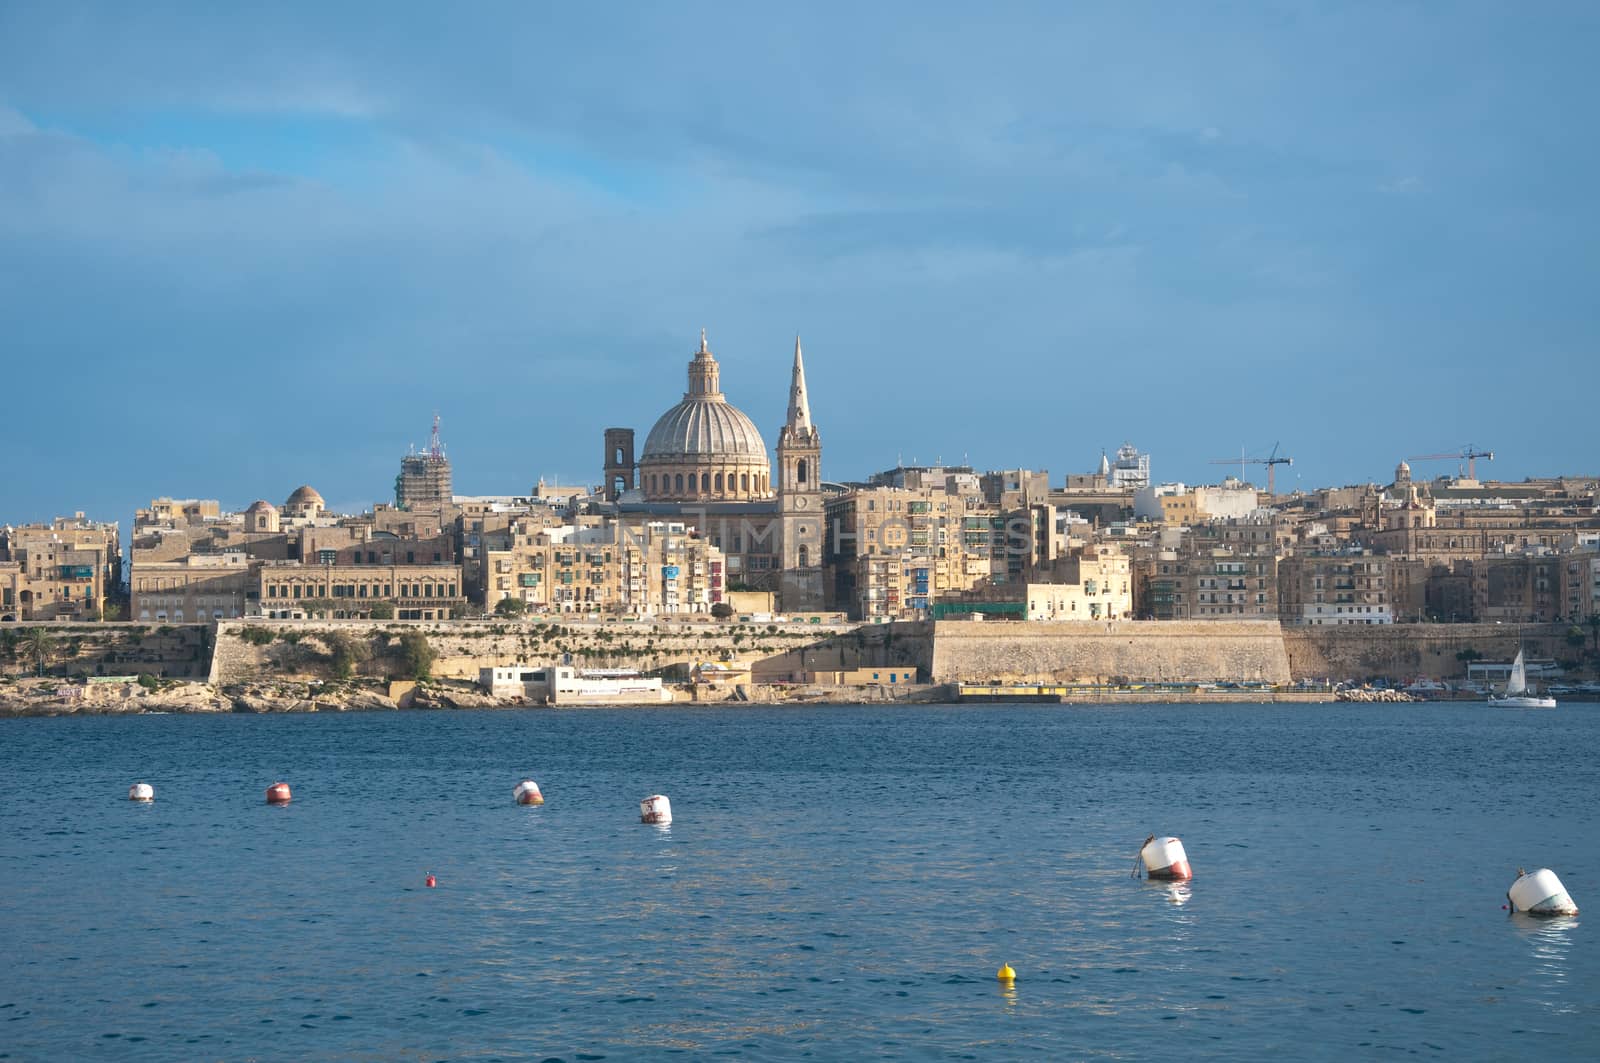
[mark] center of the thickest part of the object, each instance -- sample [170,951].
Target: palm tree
[40,645]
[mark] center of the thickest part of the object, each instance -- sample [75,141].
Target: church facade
[705,462]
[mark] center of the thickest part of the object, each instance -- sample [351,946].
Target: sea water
[838,883]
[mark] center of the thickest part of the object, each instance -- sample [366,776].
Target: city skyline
[235,496]
[249,250]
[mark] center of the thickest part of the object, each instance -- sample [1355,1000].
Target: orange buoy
[430,881]
[527,793]
[278,793]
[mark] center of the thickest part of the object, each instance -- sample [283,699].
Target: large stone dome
[304,502]
[704,427]
[704,447]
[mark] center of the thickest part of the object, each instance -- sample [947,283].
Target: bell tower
[800,500]
[619,463]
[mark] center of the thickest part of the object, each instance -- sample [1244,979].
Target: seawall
[1406,651]
[1090,651]
[941,652]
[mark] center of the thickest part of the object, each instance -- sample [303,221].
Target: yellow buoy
[1006,974]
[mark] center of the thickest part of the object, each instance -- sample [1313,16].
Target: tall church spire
[801,510]
[799,405]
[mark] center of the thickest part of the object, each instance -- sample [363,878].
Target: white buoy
[527,793]
[1540,893]
[655,809]
[1165,858]
[141,791]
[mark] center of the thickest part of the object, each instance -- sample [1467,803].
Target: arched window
[800,471]
[617,460]
[805,557]
[744,481]
[680,483]
[705,482]
[718,482]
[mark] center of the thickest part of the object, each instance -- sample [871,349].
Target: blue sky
[242,249]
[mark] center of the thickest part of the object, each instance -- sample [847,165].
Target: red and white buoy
[1165,858]
[527,793]
[1540,892]
[278,793]
[141,791]
[655,809]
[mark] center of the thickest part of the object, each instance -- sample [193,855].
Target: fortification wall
[249,650]
[178,651]
[1142,651]
[942,652]
[1406,651]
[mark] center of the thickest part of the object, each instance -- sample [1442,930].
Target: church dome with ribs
[704,448]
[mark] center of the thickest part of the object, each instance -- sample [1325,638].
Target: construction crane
[1271,461]
[1469,453]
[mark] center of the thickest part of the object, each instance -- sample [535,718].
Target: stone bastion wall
[942,651]
[177,651]
[260,649]
[1407,651]
[1089,651]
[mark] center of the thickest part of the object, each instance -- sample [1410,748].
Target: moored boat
[1517,694]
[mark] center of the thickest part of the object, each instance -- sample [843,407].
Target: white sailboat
[1517,695]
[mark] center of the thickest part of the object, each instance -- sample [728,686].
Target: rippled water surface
[840,883]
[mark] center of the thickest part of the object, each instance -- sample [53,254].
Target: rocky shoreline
[55,697]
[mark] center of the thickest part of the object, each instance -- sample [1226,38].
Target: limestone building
[192,588]
[894,552]
[1095,584]
[63,570]
[193,563]
[605,567]
[1335,586]
[351,585]
[1223,570]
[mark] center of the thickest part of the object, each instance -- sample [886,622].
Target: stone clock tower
[801,520]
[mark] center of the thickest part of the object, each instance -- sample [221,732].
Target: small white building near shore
[562,685]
